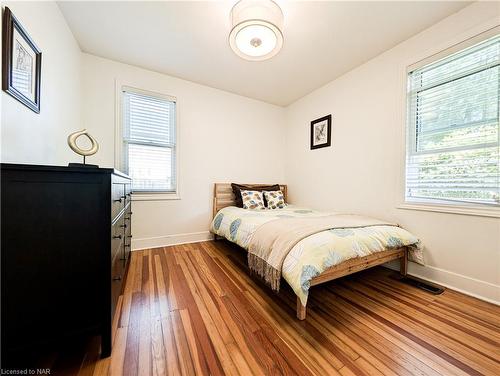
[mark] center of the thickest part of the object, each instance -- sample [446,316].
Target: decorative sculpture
[84,152]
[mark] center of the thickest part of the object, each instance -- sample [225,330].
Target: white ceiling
[189,40]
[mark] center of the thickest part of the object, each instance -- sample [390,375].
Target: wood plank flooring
[195,310]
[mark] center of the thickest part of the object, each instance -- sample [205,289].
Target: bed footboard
[356,265]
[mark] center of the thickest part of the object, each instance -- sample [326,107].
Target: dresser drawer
[117,237]
[117,277]
[128,233]
[117,265]
[128,193]
[117,199]
[117,260]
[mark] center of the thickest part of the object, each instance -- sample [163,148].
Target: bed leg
[403,263]
[301,310]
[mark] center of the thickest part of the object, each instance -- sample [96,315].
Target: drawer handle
[119,278]
[129,236]
[117,236]
[124,226]
[119,200]
[127,245]
[124,196]
[127,218]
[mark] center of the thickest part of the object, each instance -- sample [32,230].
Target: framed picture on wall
[21,63]
[321,132]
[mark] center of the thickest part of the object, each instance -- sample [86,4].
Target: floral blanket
[316,253]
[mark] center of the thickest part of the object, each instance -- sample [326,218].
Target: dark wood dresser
[65,247]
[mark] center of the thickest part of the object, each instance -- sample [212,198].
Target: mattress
[316,253]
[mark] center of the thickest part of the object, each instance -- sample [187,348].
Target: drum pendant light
[256,32]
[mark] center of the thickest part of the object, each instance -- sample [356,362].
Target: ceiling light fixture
[256,32]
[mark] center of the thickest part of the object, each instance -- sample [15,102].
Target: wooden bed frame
[223,196]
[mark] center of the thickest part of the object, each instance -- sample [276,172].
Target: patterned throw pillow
[252,199]
[275,199]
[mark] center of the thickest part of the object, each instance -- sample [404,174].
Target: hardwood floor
[194,309]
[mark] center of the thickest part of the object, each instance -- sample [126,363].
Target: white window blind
[149,141]
[453,134]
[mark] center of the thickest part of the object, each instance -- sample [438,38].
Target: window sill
[475,210]
[155,196]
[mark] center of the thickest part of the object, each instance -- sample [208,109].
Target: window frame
[120,161]
[483,32]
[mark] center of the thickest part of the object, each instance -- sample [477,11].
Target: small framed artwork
[321,132]
[21,63]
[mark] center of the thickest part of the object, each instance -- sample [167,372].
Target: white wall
[28,137]
[361,172]
[223,138]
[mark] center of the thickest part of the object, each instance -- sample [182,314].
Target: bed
[317,258]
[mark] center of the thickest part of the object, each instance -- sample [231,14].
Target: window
[149,141]
[453,152]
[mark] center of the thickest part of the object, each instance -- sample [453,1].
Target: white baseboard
[164,241]
[486,291]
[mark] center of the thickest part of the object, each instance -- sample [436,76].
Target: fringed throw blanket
[272,241]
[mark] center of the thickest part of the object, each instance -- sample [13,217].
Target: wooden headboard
[224,196]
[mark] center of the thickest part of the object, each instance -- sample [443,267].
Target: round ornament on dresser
[94,147]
